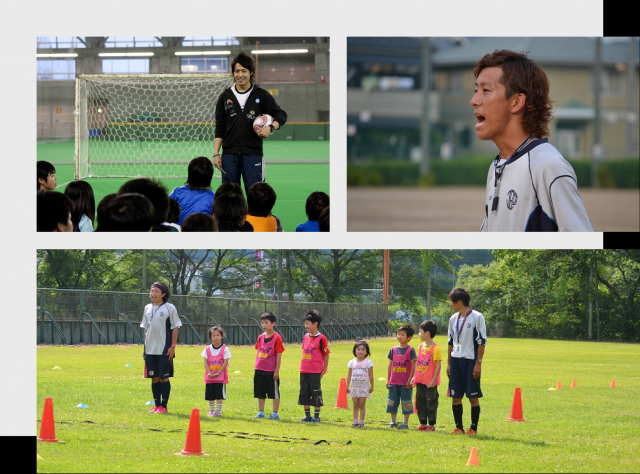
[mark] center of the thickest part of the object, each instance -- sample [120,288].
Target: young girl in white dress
[360,381]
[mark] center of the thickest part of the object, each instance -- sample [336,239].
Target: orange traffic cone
[342,395]
[473,458]
[194,443]
[559,386]
[47,428]
[574,384]
[516,407]
[613,383]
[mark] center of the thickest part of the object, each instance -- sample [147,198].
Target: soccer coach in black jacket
[236,109]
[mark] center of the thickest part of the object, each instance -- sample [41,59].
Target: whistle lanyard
[498,170]
[154,312]
[458,328]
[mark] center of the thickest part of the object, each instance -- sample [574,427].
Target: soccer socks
[165,390]
[307,412]
[219,407]
[457,415]
[317,412]
[155,390]
[212,406]
[475,416]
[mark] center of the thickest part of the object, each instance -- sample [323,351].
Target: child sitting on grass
[260,199]
[316,203]
[47,180]
[83,205]
[196,195]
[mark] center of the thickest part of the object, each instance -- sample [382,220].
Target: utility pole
[145,285]
[597,145]
[426,90]
[632,115]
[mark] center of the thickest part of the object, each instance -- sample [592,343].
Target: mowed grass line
[585,429]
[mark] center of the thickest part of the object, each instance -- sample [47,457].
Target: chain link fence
[110,317]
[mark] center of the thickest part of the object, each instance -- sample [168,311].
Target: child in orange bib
[427,376]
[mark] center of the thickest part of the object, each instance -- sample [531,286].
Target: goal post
[148,125]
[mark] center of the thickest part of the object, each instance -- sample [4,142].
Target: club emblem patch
[257,101]
[512,199]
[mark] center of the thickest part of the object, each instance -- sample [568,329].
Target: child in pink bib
[216,373]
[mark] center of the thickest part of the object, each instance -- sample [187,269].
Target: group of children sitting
[143,205]
[406,370]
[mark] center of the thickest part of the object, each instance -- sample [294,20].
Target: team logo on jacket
[257,101]
[512,199]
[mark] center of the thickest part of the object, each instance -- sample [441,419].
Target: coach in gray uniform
[530,186]
[467,338]
[161,324]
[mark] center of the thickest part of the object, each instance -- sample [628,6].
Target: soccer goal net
[144,125]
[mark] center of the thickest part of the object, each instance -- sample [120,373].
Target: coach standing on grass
[530,186]
[467,338]
[161,324]
[236,109]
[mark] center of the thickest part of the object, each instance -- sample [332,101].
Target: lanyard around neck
[499,169]
[458,328]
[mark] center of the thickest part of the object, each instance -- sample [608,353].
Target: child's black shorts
[310,390]
[461,381]
[158,366]
[215,391]
[264,386]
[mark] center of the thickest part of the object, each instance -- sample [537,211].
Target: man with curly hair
[530,186]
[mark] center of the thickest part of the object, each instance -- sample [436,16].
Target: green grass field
[292,182]
[585,429]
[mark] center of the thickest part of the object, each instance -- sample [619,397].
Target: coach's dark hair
[408,330]
[230,209]
[361,342]
[313,316]
[174,211]
[44,170]
[53,208]
[162,287]
[316,203]
[226,188]
[127,213]
[153,190]
[430,327]
[521,75]
[323,220]
[81,195]
[218,329]
[200,173]
[270,316]
[460,294]
[102,205]
[199,222]
[260,199]
[246,61]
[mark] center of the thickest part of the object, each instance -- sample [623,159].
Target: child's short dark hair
[83,202]
[199,222]
[44,170]
[127,213]
[153,190]
[102,205]
[53,209]
[323,220]
[163,288]
[460,294]
[316,202]
[364,343]
[226,188]
[313,316]
[174,211]
[218,329]
[408,330]
[246,61]
[260,199]
[200,173]
[269,315]
[430,327]
[230,209]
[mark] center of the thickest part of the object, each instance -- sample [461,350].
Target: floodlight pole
[597,145]
[426,85]
[385,276]
[632,116]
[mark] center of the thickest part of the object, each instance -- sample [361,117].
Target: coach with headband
[161,324]
[236,109]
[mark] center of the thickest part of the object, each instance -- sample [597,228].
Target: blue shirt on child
[192,201]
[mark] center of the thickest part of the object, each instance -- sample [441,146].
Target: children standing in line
[266,381]
[402,366]
[216,364]
[427,376]
[315,360]
[360,381]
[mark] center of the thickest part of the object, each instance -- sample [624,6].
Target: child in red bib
[216,374]
[266,381]
[402,366]
[427,376]
[314,364]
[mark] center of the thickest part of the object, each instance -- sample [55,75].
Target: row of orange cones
[574,385]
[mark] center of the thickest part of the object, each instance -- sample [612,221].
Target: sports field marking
[282,148]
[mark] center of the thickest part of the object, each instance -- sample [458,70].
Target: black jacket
[235,126]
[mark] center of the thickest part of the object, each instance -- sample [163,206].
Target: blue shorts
[158,366]
[399,395]
[249,167]
[461,381]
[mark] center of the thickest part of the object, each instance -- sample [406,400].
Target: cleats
[403,426]
[274,416]
[154,410]
[430,428]
[471,432]
[211,413]
[393,424]
[316,419]
[422,428]
[259,415]
[458,431]
[306,419]
[162,410]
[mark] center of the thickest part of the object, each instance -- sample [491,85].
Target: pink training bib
[400,367]
[214,363]
[312,357]
[266,356]
[425,367]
